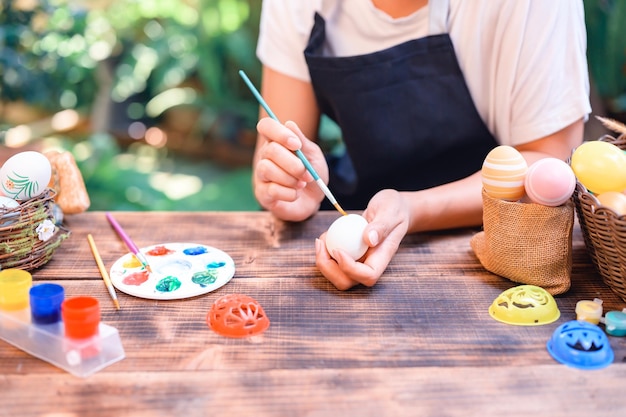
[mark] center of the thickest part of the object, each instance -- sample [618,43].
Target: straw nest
[22,246]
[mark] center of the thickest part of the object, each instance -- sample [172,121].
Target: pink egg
[549,182]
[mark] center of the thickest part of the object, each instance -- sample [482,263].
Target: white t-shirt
[524,61]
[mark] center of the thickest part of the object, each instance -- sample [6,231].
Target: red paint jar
[81,317]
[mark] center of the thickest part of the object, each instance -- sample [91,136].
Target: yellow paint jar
[14,287]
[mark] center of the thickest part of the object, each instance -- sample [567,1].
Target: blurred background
[147,97]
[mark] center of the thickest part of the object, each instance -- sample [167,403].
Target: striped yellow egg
[504,172]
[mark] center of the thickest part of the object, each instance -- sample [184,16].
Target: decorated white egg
[25,175]
[346,233]
[503,173]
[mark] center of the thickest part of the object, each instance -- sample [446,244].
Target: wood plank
[420,342]
[546,390]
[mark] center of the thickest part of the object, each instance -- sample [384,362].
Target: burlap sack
[527,243]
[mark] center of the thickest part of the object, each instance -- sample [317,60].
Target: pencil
[129,242]
[298,152]
[103,271]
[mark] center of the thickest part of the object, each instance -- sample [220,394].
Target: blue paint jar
[45,303]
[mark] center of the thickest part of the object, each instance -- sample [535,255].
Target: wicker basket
[604,233]
[20,246]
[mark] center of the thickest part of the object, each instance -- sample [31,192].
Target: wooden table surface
[420,343]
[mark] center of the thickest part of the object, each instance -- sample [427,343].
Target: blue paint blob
[198,250]
[214,265]
[204,278]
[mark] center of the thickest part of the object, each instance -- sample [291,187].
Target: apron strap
[438,16]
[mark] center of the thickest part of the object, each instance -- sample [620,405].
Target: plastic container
[81,316]
[590,311]
[14,287]
[615,323]
[80,357]
[45,303]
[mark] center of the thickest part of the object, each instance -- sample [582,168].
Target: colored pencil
[298,152]
[129,242]
[103,271]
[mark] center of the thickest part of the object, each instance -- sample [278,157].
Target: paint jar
[81,317]
[14,287]
[615,322]
[45,303]
[590,311]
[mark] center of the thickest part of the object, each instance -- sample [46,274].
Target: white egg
[346,233]
[25,175]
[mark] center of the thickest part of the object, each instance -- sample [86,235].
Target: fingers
[344,272]
[388,217]
[279,174]
[276,157]
[274,131]
[330,268]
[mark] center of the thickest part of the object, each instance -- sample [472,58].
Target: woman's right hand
[281,182]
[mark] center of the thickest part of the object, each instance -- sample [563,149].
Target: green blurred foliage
[44,57]
[144,178]
[606,50]
[138,55]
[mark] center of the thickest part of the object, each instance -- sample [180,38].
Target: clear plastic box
[80,357]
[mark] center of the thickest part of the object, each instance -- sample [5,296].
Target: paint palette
[179,270]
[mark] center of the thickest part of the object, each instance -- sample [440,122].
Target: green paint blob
[204,278]
[168,284]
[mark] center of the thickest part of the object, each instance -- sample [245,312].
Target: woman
[422,90]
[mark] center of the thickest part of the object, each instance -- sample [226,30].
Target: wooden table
[419,343]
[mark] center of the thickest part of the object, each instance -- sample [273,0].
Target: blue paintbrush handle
[269,111]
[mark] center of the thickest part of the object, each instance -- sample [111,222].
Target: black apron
[406,115]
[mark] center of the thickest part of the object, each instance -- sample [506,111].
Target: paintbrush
[129,242]
[103,271]
[298,152]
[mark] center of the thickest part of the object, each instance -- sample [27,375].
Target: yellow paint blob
[132,262]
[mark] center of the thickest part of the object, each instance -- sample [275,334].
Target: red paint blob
[136,278]
[159,251]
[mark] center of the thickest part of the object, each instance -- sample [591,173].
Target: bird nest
[29,234]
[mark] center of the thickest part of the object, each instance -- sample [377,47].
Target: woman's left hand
[388,220]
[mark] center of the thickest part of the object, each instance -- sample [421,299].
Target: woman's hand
[388,217]
[282,184]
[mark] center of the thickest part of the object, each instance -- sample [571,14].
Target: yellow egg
[614,200]
[600,166]
[504,172]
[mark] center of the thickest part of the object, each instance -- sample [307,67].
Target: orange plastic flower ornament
[237,315]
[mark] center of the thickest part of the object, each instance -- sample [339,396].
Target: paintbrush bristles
[613,125]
